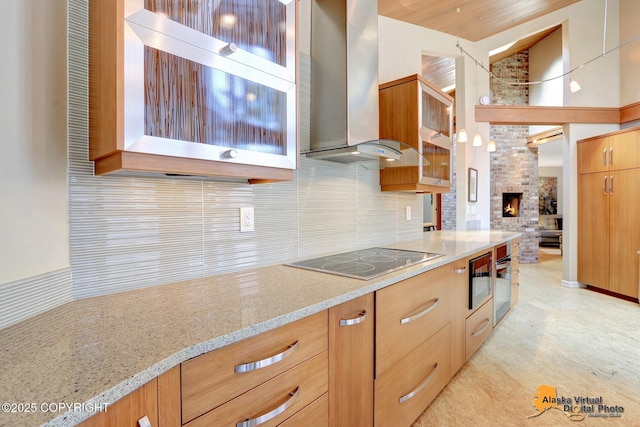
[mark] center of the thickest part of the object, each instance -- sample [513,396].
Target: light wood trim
[515,271]
[314,415]
[538,115]
[127,411]
[630,112]
[393,303]
[477,329]
[310,377]
[460,302]
[351,364]
[140,162]
[413,78]
[169,398]
[106,83]
[407,374]
[210,380]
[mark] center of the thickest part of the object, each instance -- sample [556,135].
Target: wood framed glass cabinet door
[208,80]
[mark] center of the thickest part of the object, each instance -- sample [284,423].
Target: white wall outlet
[246,220]
[407,213]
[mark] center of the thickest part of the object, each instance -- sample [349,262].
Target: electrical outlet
[407,213]
[246,220]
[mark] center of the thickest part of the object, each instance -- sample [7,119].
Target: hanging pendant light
[491,146]
[574,86]
[477,140]
[462,136]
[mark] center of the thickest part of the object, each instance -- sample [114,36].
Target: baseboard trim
[572,284]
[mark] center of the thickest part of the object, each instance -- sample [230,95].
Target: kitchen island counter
[94,351]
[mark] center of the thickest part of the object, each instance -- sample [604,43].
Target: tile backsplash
[133,232]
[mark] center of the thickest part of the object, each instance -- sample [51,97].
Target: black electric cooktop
[366,264]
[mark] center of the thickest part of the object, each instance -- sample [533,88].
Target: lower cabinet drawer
[404,391]
[409,312]
[214,378]
[274,401]
[478,327]
[314,415]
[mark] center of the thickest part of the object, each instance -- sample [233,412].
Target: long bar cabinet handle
[252,422]
[604,157]
[611,156]
[422,385]
[252,366]
[604,186]
[481,330]
[611,185]
[356,320]
[460,270]
[422,313]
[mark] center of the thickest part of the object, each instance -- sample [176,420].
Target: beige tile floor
[580,342]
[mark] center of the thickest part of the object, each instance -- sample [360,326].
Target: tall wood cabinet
[186,87]
[608,226]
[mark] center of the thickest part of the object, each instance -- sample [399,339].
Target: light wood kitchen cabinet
[158,401]
[608,229]
[460,303]
[409,312]
[314,415]
[418,115]
[403,392]
[351,354]
[274,401]
[478,327]
[214,378]
[187,88]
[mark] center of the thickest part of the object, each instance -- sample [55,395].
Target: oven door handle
[503,263]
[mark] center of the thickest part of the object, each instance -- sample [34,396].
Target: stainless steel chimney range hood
[344,83]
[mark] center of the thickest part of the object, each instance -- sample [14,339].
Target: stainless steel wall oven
[502,292]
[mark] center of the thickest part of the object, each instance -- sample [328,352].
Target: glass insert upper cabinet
[198,87]
[419,116]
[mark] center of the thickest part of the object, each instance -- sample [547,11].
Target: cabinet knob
[144,422]
[230,154]
[228,49]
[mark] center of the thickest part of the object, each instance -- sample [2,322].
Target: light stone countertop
[97,350]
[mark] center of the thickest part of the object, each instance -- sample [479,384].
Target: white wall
[33,107]
[629,54]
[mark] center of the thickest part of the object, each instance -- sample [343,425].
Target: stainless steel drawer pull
[252,366]
[349,322]
[611,185]
[481,330]
[604,157]
[604,186]
[422,385]
[271,414]
[611,156]
[460,270]
[422,313]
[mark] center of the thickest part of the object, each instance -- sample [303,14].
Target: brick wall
[449,199]
[514,167]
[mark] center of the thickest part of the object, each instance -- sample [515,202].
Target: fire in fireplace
[511,204]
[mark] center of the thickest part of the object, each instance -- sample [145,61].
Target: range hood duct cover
[344,82]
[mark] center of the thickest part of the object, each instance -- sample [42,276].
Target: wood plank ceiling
[473,20]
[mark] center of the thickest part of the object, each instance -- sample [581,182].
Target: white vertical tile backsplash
[132,232]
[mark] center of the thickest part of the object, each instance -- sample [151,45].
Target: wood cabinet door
[593,229]
[593,155]
[460,302]
[127,411]
[624,151]
[351,329]
[624,231]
